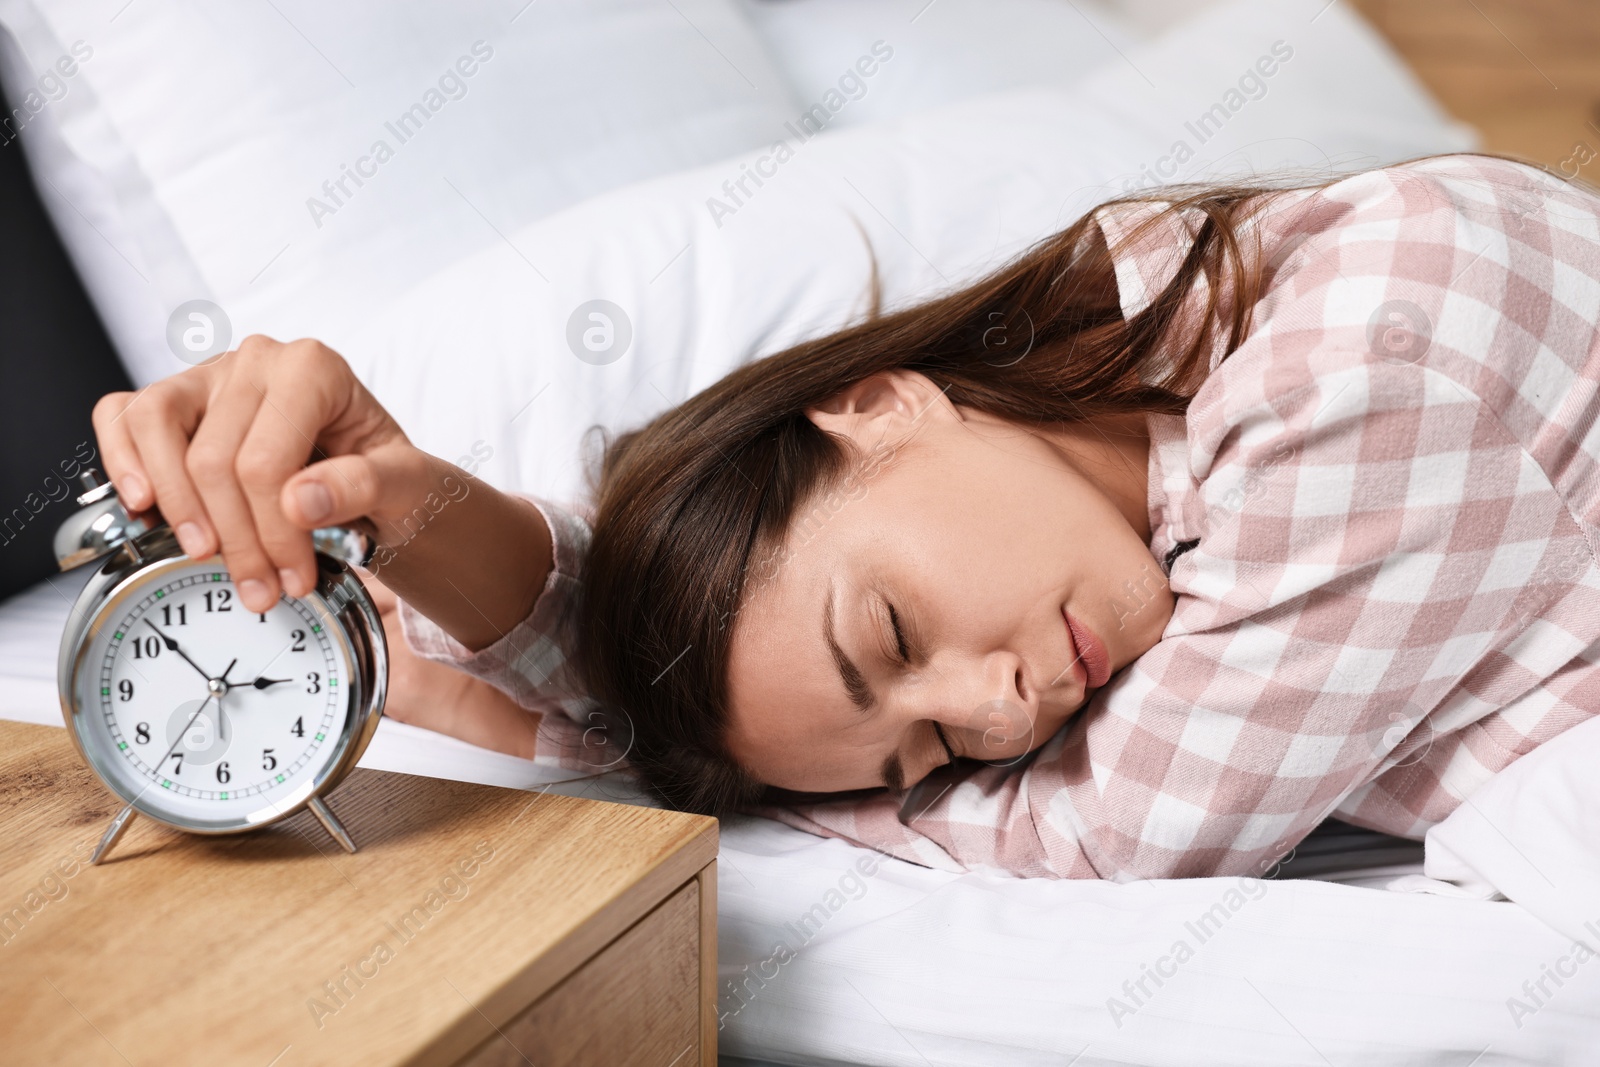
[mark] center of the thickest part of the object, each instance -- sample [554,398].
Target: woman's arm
[475,566]
[223,450]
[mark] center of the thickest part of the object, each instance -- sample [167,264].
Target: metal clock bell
[197,712]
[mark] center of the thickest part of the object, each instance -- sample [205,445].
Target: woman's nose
[985,704]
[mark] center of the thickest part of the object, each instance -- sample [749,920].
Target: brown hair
[684,502]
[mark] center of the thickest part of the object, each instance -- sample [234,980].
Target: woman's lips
[1096,661]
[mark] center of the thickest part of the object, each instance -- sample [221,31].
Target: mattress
[833,954]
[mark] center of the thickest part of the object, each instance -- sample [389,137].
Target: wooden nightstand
[476,926]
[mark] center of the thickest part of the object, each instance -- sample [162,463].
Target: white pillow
[1155,16]
[932,53]
[186,156]
[706,268]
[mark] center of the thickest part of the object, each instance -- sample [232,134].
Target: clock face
[203,712]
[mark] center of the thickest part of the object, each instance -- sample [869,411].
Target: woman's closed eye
[903,656]
[902,650]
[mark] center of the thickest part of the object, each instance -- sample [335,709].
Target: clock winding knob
[100,526]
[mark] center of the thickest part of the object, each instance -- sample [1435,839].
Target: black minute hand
[172,646]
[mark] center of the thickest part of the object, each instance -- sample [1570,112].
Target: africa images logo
[451,85]
[1252,85]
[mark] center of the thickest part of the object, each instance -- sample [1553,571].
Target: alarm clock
[198,712]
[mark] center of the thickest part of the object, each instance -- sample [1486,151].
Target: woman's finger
[210,462]
[297,404]
[118,452]
[160,423]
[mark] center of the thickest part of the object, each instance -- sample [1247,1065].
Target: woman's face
[930,593]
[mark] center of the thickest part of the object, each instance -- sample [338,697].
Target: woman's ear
[882,408]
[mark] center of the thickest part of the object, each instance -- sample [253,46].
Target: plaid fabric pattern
[1393,485]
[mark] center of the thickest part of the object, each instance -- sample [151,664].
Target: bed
[1357,951]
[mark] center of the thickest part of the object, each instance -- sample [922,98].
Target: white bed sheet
[822,963]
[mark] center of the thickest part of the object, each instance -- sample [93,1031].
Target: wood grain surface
[1526,73]
[464,905]
[638,1001]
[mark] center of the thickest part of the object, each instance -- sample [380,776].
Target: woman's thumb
[344,488]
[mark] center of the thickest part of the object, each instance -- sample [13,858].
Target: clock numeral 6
[223,774]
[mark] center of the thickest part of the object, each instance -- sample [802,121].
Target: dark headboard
[55,362]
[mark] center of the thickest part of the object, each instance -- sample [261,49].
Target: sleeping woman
[1218,513]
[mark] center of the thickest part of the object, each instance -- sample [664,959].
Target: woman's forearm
[469,557]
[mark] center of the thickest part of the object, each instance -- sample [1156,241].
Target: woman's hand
[222,449]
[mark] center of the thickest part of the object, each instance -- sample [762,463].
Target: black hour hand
[262,683]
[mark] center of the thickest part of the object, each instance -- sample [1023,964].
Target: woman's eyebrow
[855,684]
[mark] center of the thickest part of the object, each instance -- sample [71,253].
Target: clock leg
[113,834]
[331,824]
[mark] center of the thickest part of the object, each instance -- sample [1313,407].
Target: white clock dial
[210,712]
